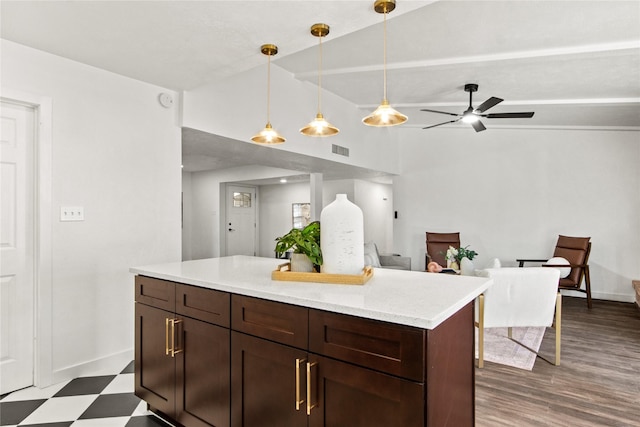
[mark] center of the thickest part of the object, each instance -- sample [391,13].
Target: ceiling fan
[472,115]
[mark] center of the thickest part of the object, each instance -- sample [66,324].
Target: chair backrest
[438,243]
[520,296]
[575,250]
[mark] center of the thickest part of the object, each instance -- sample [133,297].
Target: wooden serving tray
[283,272]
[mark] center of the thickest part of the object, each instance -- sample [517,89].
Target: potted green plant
[305,245]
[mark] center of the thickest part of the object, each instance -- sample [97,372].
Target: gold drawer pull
[166,336]
[174,351]
[298,400]
[309,405]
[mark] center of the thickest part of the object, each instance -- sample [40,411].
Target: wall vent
[337,149]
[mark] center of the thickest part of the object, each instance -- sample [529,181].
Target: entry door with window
[17,137]
[240,224]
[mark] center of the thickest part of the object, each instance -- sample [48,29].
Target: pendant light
[319,126]
[384,115]
[268,135]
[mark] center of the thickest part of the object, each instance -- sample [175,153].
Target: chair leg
[510,332]
[481,331]
[558,326]
[587,281]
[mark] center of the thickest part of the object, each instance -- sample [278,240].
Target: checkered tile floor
[100,401]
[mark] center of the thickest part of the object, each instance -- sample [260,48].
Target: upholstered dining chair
[437,245]
[576,251]
[519,297]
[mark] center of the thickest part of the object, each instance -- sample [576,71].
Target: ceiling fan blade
[478,126]
[440,112]
[526,115]
[491,102]
[440,124]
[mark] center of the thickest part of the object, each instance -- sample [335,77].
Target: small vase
[342,237]
[466,267]
[301,263]
[453,264]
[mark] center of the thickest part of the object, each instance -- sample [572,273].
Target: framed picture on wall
[301,214]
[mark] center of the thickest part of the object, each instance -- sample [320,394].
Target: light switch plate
[72,213]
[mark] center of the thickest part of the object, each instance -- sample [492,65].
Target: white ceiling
[575,63]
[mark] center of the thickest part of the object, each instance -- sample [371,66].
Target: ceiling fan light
[268,136]
[469,117]
[319,127]
[384,115]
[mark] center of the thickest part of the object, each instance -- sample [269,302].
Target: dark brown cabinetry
[352,396]
[181,362]
[264,383]
[250,362]
[303,367]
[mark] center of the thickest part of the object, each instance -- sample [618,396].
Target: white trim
[606,296]
[531,127]
[43,357]
[102,366]
[464,104]
[631,45]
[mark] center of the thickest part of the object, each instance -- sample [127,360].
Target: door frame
[42,227]
[223,216]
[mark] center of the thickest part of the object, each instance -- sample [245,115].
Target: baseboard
[103,366]
[601,295]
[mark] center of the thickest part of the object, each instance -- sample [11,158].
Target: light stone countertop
[412,298]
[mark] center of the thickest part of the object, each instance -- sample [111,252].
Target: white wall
[116,152]
[338,186]
[511,192]
[187,212]
[236,108]
[275,209]
[206,210]
[275,212]
[376,202]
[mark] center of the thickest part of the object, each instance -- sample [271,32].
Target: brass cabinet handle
[174,322]
[309,405]
[298,400]
[166,336]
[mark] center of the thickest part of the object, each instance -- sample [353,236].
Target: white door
[240,226]
[16,246]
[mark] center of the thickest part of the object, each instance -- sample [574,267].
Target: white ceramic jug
[342,237]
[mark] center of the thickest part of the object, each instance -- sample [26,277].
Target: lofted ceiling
[575,63]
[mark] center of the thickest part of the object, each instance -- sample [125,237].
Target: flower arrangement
[456,255]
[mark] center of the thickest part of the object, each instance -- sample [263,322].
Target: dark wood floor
[597,383]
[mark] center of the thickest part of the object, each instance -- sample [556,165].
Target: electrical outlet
[72,213]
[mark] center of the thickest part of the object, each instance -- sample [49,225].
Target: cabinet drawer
[283,323]
[155,292]
[386,347]
[203,304]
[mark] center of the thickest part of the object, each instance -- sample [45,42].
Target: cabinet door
[154,369]
[155,292]
[347,395]
[263,383]
[202,374]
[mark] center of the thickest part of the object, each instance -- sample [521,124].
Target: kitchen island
[218,343]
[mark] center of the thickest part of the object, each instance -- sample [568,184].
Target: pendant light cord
[384,62]
[268,89]
[320,76]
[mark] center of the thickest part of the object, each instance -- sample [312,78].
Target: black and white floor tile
[99,401]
